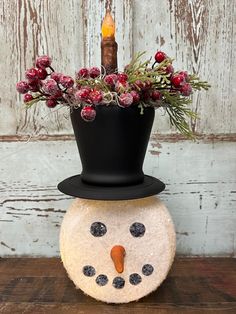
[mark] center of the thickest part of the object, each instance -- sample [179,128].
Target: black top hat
[112,150]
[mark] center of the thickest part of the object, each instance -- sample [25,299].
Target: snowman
[117,239]
[117,251]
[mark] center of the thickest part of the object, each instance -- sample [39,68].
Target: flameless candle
[108,45]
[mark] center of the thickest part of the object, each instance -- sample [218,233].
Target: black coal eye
[89,271]
[135,279]
[118,283]
[101,280]
[137,229]
[98,229]
[147,269]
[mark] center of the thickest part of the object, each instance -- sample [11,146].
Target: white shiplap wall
[200,177]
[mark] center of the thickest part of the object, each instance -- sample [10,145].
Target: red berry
[31,74]
[43,62]
[88,113]
[169,69]
[57,95]
[42,74]
[122,77]
[95,96]
[121,87]
[82,94]
[56,76]
[94,72]
[50,87]
[146,95]
[156,95]
[126,100]
[22,87]
[185,75]
[136,96]
[34,85]
[28,97]
[84,72]
[186,89]
[147,85]
[160,56]
[51,103]
[177,80]
[110,80]
[139,85]
[66,81]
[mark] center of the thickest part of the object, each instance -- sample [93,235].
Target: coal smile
[118,282]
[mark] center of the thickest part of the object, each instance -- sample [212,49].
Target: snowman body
[91,229]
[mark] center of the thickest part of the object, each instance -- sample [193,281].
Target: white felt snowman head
[117,251]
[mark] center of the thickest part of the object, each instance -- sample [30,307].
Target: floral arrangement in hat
[142,84]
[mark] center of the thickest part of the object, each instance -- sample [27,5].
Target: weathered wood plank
[200,194]
[193,285]
[200,36]
[31,28]
[181,28]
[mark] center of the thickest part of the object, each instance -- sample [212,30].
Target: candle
[108,45]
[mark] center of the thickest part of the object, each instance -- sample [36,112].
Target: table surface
[194,285]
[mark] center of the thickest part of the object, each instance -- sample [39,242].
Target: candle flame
[108,26]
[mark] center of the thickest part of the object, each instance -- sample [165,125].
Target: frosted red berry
[28,97]
[94,72]
[34,85]
[57,95]
[42,74]
[169,69]
[22,87]
[82,94]
[50,87]
[126,99]
[110,80]
[95,96]
[56,76]
[43,62]
[88,113]
[31,74]
[66,81]
[160,56]
[51,103]
[146,95]
[121,87]
[185,75]
[177,80]
[156,95]
[136,96]
[186,89]
[122,77]
[83,73]
[139,85]
[147,85]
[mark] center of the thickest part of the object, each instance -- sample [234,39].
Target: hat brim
[74,186]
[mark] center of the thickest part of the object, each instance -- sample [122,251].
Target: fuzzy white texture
[79,247]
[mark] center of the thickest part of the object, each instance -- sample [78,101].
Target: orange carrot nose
[117,255]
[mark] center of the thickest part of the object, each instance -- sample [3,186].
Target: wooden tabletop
[194,285]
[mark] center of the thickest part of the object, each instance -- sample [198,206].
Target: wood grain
[200,194]
[200,176]
[193,285]
[199,34]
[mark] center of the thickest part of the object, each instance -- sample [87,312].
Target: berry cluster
[140,84]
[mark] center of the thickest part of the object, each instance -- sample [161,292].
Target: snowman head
[117,251]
